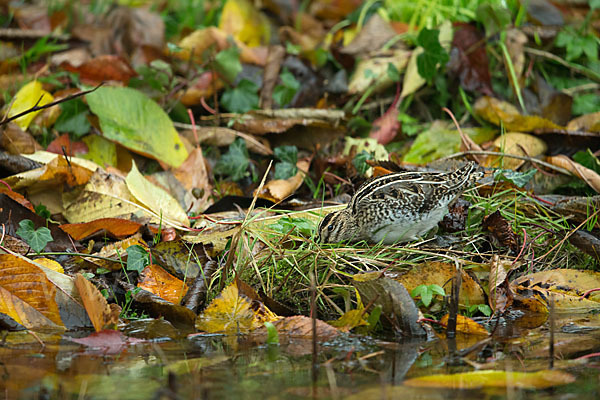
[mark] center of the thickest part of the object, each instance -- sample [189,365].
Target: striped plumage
[397,207]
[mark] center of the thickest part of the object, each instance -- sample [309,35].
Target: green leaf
[285,225]
[37,239]
[588,160]
[235,162]
[272,335]
[285,170]
[283,94]
[437,289]
[426,297]
[242,98]
[493,16]
[594,4]
[484,309]
[130,118]
[42,211]
[360,161]
[287,154]
[137,258]
[228,63]
[519,179]
[393,73]
[432,55]
[73,118]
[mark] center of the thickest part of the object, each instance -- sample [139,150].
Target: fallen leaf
[26,98]
[493,379]
[158,281]
[500,292]
[103,68]
[107,341]
[516,143]
[277,190]
[102,315]
[590,176]
[26,294]
[117,228]
[501,230]
[232,312]
[162,204]
[244,22]
[501,112]
[371,73]
[466,325]
[350,320]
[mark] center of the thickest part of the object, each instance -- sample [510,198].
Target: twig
[496,153]
[53,103]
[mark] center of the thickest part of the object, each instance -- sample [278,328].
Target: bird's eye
[330,227]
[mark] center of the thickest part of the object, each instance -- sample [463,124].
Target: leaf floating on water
[493,379]
[466,325]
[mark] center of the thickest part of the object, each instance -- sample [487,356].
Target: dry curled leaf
[501,230]
[590,177]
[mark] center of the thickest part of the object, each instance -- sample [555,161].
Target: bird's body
[397,207]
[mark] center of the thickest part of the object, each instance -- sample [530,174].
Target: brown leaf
[108,341]
[373,35]
[279,189]
[590,177]
[158,281]
[500,292]
[587,122]
[194,177]
[103,68]
[117,228]
[501,230]
[17,141]
[102,315]
[63,145]
[26,294]
[271,75]
[469,61]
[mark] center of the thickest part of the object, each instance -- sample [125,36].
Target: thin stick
[496,153]
[37,108]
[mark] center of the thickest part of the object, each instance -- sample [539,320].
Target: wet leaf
[350,320]
[102,315]
[466,325]
[500,294]
[232,312]
[158,281]
[493,379]
[107,341]
[27,295]
[130,118]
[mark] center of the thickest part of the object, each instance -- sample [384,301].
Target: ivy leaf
[235,162]
[37,239]
[393,73]
[242,98]
[519,179]
[228,63]
[360,161]
[42,211]
[433,55]
[137,258]
[284,225]
[288,156]
[283,94]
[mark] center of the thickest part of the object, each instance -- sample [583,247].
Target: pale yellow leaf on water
[493,379]
[155,198]
[350,320]
[50,264]
[28,96]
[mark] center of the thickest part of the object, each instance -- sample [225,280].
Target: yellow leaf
[232,312]
[155,198]
[466,325]
[350,320]
[492,378]
[245,23]
[28,96]
[50,264]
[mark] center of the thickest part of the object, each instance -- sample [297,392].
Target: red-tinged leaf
[501,230]
[156,280]
[103,68]
[115,227]
[63,145]
[107,341]
[468,60]
[19,198]
[385,128]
